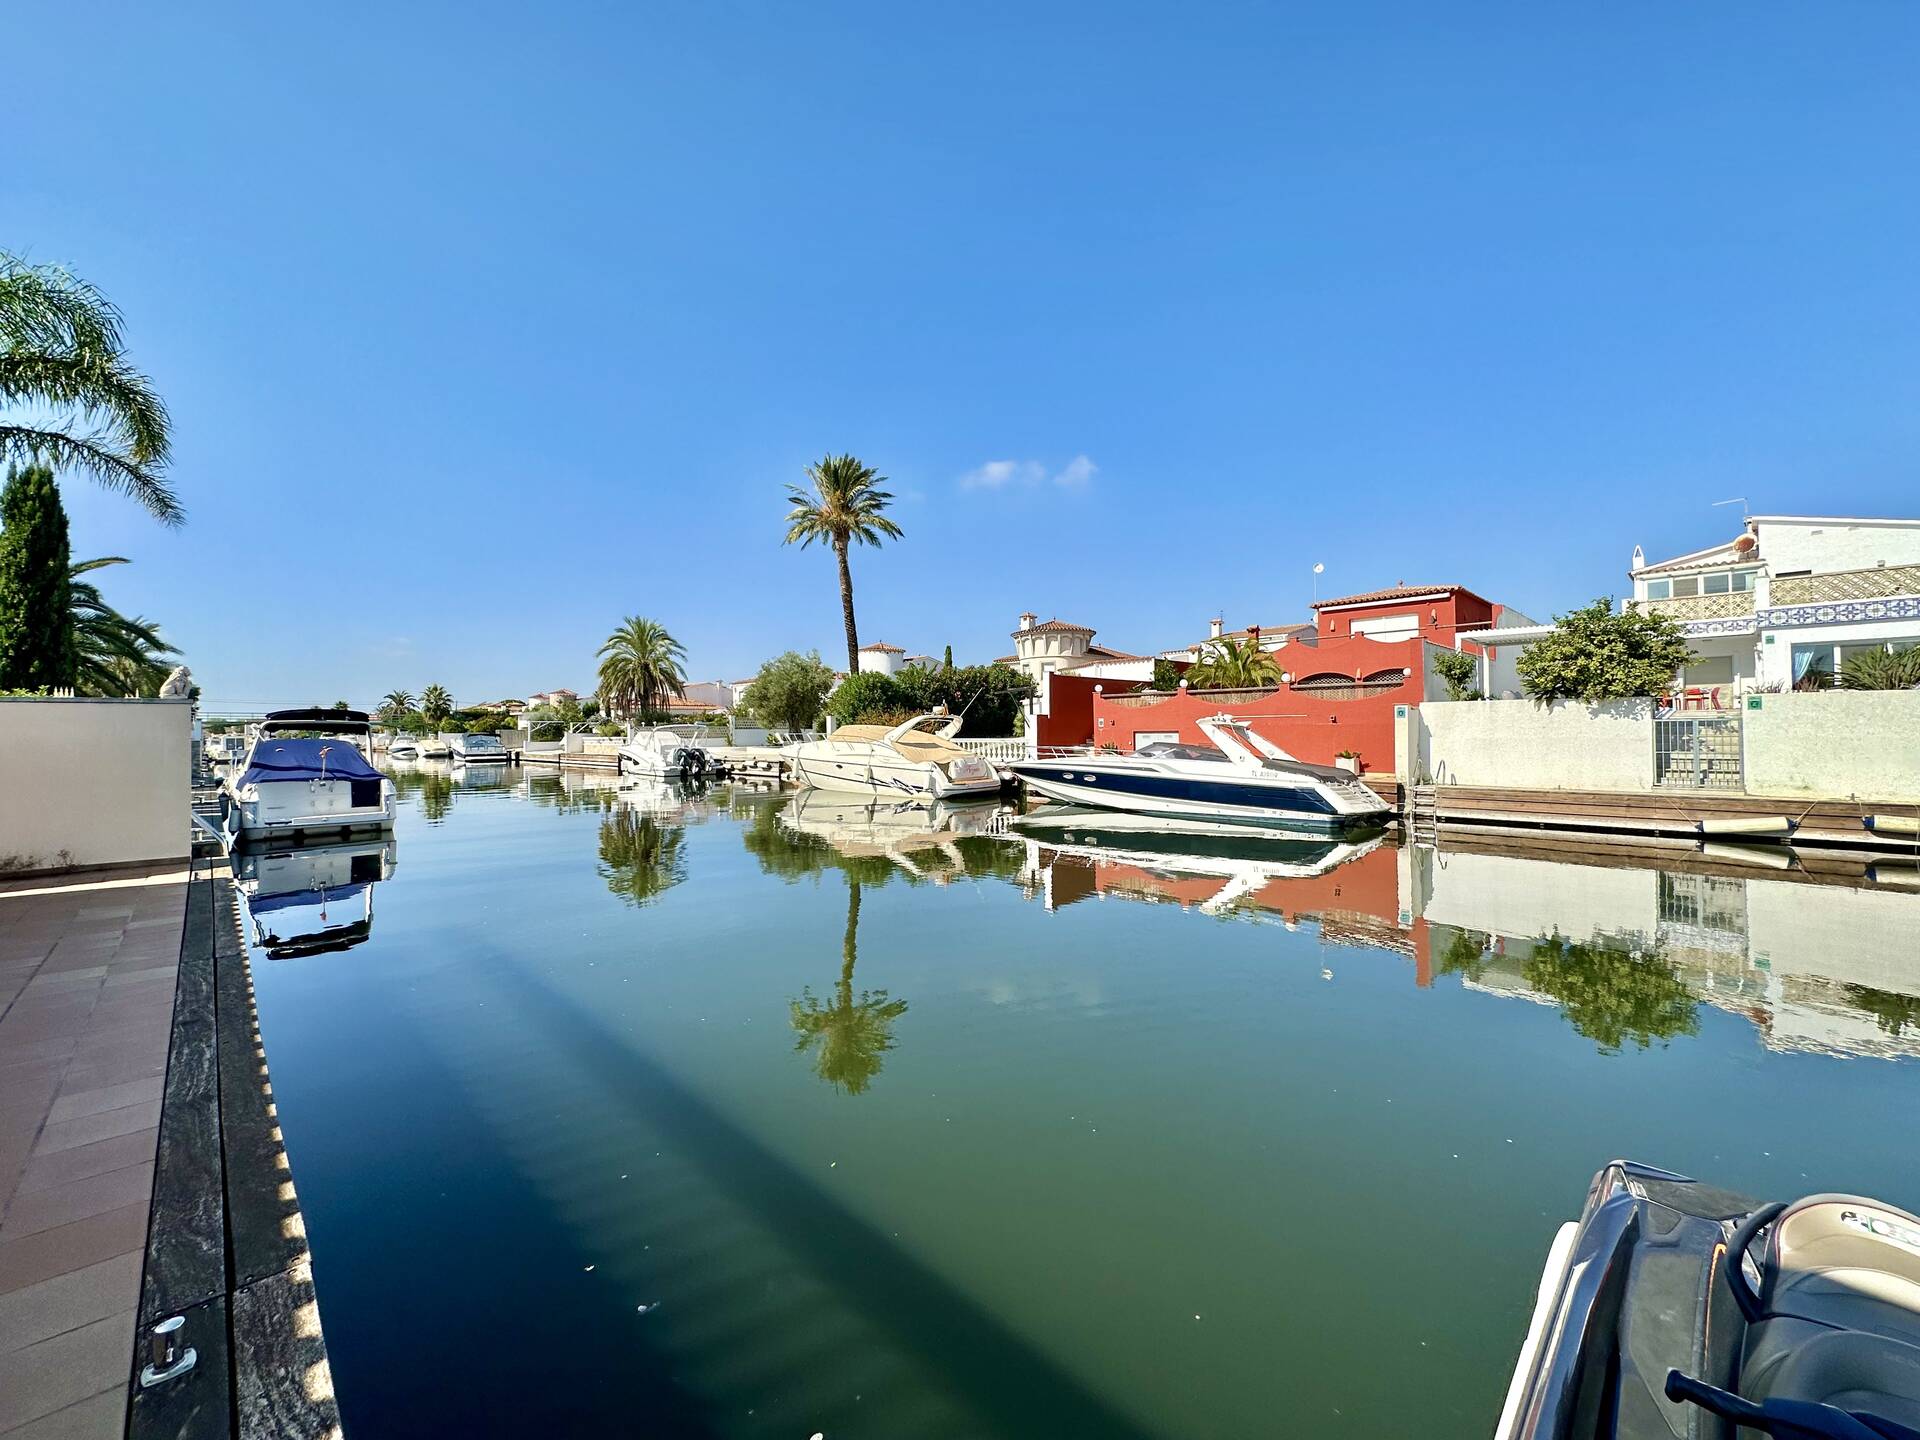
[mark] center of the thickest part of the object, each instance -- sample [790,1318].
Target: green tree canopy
[845,506]
[1594,655]
[435,704]
[1229,664]
[790,691]
[1166,674]
[114,654]
[83,406]
[1458,669]
[36,584]
[394,704]
[640,668]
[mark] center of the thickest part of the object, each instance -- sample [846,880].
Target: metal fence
[1697,753]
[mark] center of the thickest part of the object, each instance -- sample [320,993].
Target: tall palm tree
[850,1037]
[436,704]
[395,703]
[62,362]
[1229,664]
[117,655]
[845,505]
[640,667]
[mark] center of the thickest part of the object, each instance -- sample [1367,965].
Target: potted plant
[1349,761]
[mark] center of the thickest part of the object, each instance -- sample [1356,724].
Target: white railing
[994,747]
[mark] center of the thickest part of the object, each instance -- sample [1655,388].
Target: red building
[1339,687]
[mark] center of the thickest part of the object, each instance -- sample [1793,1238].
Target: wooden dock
[1676,814]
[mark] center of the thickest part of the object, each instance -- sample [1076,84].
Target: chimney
[1214,627]
[1639,558]
[1026,620]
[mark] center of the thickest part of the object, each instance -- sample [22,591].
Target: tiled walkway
[87,969]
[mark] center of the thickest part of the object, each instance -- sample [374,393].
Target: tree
[435,704]
[849,1037]
[36,587]
[946,661]
[1229,664]
[1166,675]
[865,696]
[114,654]
[790,690]
[61,362]
[640,668]
[394,704]
[844,506]
[988,697]
[1594,655]
[1458,669]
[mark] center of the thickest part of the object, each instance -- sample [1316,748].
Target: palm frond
[95,385]
[45,307]
[94,455]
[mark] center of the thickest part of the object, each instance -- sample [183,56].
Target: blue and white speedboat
[1242,778]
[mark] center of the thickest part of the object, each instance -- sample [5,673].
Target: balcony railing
[1874,584]
[1701,607]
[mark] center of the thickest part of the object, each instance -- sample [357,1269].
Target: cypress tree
[36,596]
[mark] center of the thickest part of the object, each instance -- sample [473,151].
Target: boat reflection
[312,899]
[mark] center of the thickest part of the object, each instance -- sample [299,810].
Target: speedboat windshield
[1170,750]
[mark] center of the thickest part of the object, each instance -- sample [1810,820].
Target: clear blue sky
[484,325]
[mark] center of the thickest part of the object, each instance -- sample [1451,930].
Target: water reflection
[312,899]
[848,1037]
[641,858]
[430,782]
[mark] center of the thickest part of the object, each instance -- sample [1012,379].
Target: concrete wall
[1823,545]
[1836,743]
[93,782]
[1517,744]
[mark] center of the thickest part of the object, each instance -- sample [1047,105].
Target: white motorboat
[433,747]
[224,749]
[403,747]
[303,900]
[664,750]
[474,749]
[1242,778]
[916,760]
[306,772]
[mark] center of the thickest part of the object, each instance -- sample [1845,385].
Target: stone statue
[178,685]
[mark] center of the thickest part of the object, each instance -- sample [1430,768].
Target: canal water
[619,1111]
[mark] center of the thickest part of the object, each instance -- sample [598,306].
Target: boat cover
[303,759]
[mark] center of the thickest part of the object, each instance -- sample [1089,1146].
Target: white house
[1785,602]
[1043,647]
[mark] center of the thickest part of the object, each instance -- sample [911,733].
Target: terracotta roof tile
[1054,627]
[1392,592]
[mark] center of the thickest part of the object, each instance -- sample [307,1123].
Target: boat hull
[1235,800]
[301,807]
[860,775]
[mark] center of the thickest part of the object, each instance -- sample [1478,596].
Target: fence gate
[1697,753]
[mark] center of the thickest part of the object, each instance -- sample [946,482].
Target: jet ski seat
[1840,1296]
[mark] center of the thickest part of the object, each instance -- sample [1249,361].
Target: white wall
[1825,546]
[1836,743]
[94,782]
[1518,744]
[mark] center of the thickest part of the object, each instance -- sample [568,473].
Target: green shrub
[1594,655]
[1458,669]
[864,694]
[1881,670]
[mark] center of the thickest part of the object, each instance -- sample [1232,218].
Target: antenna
[1739,500]
[1318,571]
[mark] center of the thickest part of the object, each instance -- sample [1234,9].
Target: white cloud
[998,474]
[1079,471]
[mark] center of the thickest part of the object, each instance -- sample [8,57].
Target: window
[1659,589]
[1713,670]
[1743,580]
[1717,584]
[1688,586]
[1388,627]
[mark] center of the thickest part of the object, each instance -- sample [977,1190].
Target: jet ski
[1674,1310]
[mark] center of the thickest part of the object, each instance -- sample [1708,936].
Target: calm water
[615,1111]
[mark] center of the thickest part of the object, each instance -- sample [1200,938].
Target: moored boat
[1241,778]
[1673,1308]
[478,748]
[663,750]
[916,759]
[307,772]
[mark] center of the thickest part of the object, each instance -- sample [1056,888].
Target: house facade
[880,658]
[1785,602]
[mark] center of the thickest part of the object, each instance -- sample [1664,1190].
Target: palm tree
[640,667]
[1229,664]
[436,704]
[849,1037]
[395,703]
[61,361]
[844,505]
[116,655]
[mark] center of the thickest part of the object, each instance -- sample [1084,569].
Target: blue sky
[484,325]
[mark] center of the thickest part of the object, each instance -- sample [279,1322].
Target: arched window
[1329,686]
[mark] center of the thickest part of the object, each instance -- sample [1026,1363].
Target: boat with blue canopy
[307,773]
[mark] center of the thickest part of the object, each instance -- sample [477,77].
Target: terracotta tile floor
[87,966]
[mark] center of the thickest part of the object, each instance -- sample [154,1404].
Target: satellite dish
[1319,569]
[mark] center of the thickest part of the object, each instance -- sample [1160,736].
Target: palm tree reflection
[848,1037]
[640,859]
